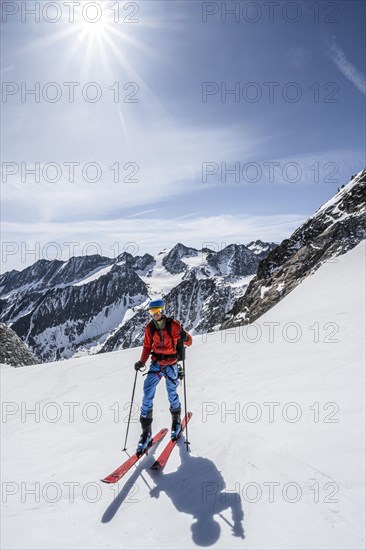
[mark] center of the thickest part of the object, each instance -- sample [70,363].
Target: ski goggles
[154,310]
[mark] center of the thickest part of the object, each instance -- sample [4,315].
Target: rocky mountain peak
[172,261]
[336,227]
[260,248]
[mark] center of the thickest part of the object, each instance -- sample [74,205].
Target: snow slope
[277,434]
[160,281]
[94,276]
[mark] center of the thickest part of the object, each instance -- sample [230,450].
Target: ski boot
[176,424]
[145,437]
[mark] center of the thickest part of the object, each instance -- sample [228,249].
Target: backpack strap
[168,326]
[152,328]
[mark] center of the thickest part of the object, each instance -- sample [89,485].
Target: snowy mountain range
[94,303]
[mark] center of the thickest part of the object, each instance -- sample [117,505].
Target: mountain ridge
[65,308]
[335,228]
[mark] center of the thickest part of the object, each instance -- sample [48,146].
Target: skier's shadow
[197,489]
[125,491]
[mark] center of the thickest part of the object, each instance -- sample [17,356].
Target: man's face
[157,315]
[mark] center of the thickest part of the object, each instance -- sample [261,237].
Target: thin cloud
[27,243]
[168,167]
[341,61]
[143,213]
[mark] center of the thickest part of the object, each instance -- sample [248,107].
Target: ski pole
[185,391]
[129,416]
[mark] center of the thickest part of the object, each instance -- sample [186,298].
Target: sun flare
[90,30]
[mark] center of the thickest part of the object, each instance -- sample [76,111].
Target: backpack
[179,348]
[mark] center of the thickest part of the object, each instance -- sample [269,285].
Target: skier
[162,339]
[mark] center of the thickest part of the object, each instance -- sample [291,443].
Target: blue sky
[290,152]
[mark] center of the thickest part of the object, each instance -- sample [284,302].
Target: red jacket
[161,342]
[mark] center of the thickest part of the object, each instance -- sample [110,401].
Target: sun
[94,41]
[94,26]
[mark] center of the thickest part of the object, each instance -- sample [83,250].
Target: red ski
[123,469]
[162,460]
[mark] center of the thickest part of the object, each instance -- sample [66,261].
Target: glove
[139,365]
[183,335]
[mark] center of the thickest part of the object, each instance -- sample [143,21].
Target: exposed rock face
[172,261]
[12,350]
[234,259]
[199,303]
[143,264]
[130,335]
[338,226]
[50,273]
[261,249]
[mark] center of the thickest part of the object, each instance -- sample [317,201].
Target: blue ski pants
[153,377]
